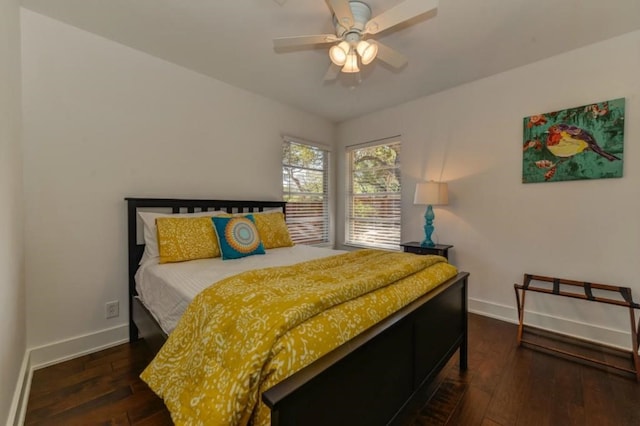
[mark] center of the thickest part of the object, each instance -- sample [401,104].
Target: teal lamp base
[429,216]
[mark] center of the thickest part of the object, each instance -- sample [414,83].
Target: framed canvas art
[586,142]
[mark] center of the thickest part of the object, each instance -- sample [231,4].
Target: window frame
[293,222]
[384,242]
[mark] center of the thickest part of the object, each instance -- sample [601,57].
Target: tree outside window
[305,189]
[374,198]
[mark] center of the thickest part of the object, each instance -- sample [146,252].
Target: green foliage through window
[374,199]
[305,189]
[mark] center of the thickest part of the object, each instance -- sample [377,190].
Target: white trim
[354,246]
[620,339]
[493,310]
[301,141]
[63,350]
[359,145]
[21,394]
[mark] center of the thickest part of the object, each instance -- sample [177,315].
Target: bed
[376,377]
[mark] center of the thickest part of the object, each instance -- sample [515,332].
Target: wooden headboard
[172,205]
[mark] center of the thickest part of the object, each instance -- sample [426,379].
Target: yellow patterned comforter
[248,332]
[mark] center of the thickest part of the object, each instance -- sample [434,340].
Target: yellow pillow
[273,230]
[182,238]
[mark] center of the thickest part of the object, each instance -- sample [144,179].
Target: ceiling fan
[353,27]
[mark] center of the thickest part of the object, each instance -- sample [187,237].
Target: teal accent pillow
[237,236]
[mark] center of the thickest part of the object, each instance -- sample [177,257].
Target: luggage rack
[587,294]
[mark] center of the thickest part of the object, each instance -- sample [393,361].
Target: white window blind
[374,195]
[305,176]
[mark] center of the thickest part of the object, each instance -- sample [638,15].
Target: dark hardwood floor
[505,385]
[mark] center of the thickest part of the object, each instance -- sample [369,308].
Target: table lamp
[430,194]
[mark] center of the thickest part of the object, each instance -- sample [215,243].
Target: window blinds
[374,195]
[305,172]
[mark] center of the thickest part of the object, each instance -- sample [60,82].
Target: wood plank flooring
[98,389]
[505,385]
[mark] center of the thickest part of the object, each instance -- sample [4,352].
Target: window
[305,176]
[374,198]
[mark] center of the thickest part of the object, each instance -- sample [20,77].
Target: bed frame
[380,376]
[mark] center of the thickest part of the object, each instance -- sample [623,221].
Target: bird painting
[565,141]
[585,142]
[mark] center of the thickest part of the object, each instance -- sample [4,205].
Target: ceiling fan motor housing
[361,14]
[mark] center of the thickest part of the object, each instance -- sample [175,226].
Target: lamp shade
[367,51]
[431,193]
[338,53]
[352,62]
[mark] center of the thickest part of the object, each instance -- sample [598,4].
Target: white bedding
[167,289]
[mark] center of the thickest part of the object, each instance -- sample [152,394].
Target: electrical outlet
[112,309]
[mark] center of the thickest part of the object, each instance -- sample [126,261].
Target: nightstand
[415,247]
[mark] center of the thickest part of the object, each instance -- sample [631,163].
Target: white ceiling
[230,40]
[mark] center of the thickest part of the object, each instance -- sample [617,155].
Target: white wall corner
[594,333]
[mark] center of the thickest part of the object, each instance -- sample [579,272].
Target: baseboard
[20,394]
[620,339]
[493,310]
[54,353]
[63,350]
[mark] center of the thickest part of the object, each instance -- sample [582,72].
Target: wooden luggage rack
[587,294]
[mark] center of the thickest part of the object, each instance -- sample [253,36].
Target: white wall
[103,121]
[12,302]
[471,137]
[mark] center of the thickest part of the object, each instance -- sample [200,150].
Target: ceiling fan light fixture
[367,51]
[352,22]
[339,53]
[351,65]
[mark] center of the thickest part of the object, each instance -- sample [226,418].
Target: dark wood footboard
[378,377]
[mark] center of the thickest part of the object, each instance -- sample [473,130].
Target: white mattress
[167,289]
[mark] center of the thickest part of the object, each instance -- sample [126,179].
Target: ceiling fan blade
[399,13]
[390,56]
[303,40]
[343,13]
[332,72]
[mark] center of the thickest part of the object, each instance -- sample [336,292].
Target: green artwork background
[603,120]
